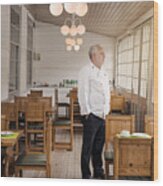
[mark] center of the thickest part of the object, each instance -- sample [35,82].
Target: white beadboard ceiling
[109,18]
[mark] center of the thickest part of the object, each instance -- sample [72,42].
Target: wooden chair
[47,101]
[4,123]
[117,103]
[41,161]
[20,107]
[35,124]
[114,125]
[75,109]
[63,125]
[64,105]
[149,125]
[35,93]
[8,109]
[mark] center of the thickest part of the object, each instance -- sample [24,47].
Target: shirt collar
[95,68]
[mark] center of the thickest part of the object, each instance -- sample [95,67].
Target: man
[94,101]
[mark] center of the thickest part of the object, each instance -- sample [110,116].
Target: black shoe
[99,176]
[87,177]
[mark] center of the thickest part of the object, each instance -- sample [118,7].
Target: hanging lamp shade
[76,47]
[70,7]
[79,41]
[81,29]
[73,42]
[73,30]
[65,30]
[68,41]
[56,9]
[68,47]
[81,9]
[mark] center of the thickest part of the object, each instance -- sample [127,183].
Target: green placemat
[10,136]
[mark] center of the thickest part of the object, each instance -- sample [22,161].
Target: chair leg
[106,169]
[18,172]
[44,138]
[71,138]
[53,138]
[48,171]
[21,173]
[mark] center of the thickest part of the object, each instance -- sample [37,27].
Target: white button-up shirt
[93,91]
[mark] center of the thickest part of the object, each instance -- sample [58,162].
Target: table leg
[9,162]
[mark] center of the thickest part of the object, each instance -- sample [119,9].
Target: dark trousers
[93,142]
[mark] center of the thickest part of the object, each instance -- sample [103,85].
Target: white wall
[56,63]
[5,50]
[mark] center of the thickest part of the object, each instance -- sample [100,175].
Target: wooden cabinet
[132,156]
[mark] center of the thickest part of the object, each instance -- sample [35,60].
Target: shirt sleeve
[107,96]
[83,91]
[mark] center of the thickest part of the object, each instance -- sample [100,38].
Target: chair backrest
[117,103]
[36,93]
[35,111]
[35,123]
[56,96]
[56,102]
[8,109]
[47,103]
[4,123]
[20,108]
[46,100]
[20,103]
[149,125]
[74,106]
[73,94]
[115,124]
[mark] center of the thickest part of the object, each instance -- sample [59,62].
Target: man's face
[98,58]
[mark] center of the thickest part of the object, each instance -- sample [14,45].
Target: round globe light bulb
[73,30]
[69,48]
[81,9]
[72,42]
[79,41]
[76,47]
[56,9]
[81,29]
[70,7]
[68,41]
[65,30]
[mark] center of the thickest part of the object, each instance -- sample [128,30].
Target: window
[133,61]
[29,51]
[136,61]
[125,60]
[14,48]
[134,71]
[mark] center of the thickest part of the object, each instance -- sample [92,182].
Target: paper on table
[137,134]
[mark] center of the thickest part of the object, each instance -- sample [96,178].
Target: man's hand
[86,116]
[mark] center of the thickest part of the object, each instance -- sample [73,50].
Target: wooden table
[133,156]
[8,144]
